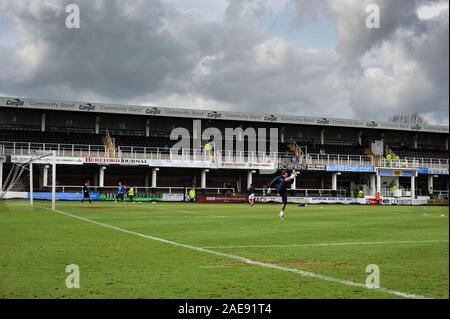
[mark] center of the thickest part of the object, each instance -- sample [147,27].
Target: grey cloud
[140,51]
[309,10]
[122,48]
[240,8]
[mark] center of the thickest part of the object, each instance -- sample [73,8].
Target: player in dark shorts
[120,193]
[281,182]
[251,195]
[86,194]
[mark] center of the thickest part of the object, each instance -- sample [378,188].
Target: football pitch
[181,250]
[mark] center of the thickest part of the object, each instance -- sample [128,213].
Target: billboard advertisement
[350,168]
[222,199]
[98,196]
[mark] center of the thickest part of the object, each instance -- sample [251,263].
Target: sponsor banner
[350,168]
[403,201]
[302,167]
[244,165]
[438,171]
[145,197]
[15,195]
[145,162]
[438,202]
[374,201]
[277,199]
[96,196]
[222,199]
[296,166]
[423,170]
[179,163]
[102,160]
[172,197]
[396,172]
[64,196]
[47,160]
[316,167]
[148,110]
[140,197]
[312,200]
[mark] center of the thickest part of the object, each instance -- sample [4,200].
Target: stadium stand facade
[106,143]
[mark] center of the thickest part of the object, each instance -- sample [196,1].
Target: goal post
[54,180]
[19,184]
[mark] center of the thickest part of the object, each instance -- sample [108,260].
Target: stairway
[110,145]
[296,150]
[376,159]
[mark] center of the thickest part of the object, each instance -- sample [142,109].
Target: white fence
[153,153]
[142,190]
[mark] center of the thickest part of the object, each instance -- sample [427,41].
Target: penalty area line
[302,273]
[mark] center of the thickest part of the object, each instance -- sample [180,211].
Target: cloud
[241,8]
[392,69]
[431,10]
[151,52]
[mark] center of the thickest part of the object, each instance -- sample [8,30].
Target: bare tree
[413,118]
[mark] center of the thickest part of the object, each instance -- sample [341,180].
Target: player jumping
[281,182]
[251,195]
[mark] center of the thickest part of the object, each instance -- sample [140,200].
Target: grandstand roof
[79,106]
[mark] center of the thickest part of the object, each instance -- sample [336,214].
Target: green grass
[409,244]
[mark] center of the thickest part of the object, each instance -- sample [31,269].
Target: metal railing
[406,192]
[440,194]
[155,153]
[306,192]
[143,189]
[197,155]
[63,150]
[339,159]
[414,163]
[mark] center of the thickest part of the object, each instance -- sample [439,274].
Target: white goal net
[30,178]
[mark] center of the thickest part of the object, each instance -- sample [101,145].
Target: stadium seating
[49,137]
[124,139]
[331,147]
[404,152]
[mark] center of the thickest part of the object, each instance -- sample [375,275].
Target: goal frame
[28,166]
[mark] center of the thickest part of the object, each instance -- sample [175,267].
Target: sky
[299,57]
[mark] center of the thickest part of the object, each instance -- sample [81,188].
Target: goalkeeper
[281,182]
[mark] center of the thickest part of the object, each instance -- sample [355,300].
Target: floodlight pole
[54,180]
[31,183]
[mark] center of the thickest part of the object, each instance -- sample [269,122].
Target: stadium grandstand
[338,159]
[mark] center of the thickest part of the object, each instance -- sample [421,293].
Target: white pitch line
[246,260]
[129,217]
[334,244]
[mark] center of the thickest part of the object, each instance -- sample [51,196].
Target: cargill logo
[323,121]
[15,102]
[270,118]
[372,124]
[416,127]
[214,115]
[87,107]
[153,111]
